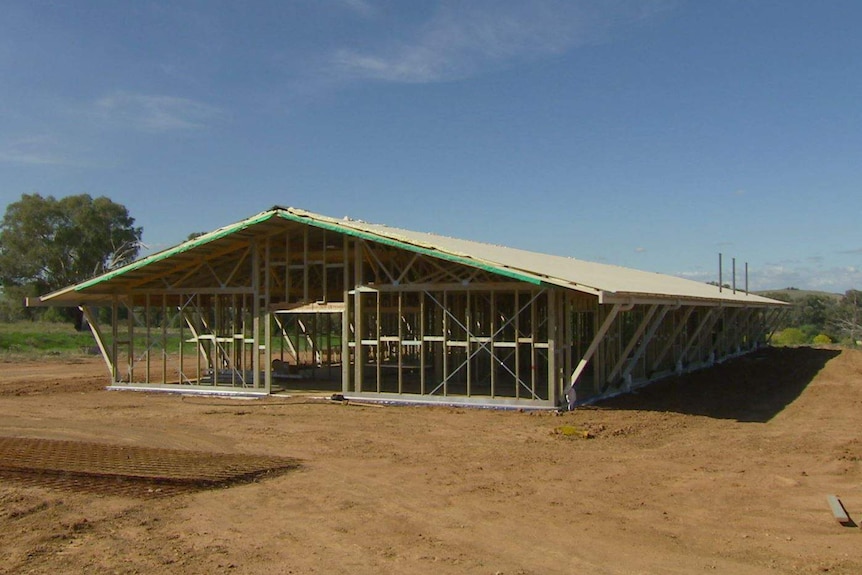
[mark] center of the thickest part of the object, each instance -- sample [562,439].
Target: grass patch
[39,338]
[31,339]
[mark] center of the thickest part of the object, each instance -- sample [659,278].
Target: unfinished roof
[608,282]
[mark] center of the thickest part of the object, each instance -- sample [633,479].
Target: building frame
[287,296]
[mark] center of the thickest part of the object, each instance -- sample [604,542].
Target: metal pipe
[734,274]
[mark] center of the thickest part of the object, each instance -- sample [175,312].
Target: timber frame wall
[303,301]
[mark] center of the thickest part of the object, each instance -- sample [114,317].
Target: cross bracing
[288,298]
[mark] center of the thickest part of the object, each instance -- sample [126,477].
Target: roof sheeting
[608,282]
[589,277]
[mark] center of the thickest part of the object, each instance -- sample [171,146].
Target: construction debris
[838,511]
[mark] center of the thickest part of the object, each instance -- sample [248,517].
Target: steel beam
[570,394]
[267,326]
[645,341]
[710,318]
[256,312]
[100,340]
[632,343]
[722,342]
[678,330]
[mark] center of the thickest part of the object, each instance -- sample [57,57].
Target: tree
[810,312]
[847,319]
[815,310]
[47,244]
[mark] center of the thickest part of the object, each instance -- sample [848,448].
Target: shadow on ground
[752,388]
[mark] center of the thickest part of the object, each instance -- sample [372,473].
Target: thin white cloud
[361,7]
[67,141]
[41,150]
[699,276]
[29,158]
[464,38]
[755,282]
[836,279]
[640,250]
[777,276]
[155,113]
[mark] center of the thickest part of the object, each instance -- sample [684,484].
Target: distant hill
[794,295]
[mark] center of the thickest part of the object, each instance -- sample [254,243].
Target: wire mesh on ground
[129,469]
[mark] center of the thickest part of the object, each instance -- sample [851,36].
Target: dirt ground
[723,471]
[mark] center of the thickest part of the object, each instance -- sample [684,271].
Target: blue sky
[649,134]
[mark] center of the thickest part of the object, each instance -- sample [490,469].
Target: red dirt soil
[723,471]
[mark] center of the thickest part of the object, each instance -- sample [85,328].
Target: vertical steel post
[734,275]
[552,346]
[358,326]
[345,319]
[267,326]
[255,285]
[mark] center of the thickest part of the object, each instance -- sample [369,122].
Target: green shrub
[822,339]
[790,336]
